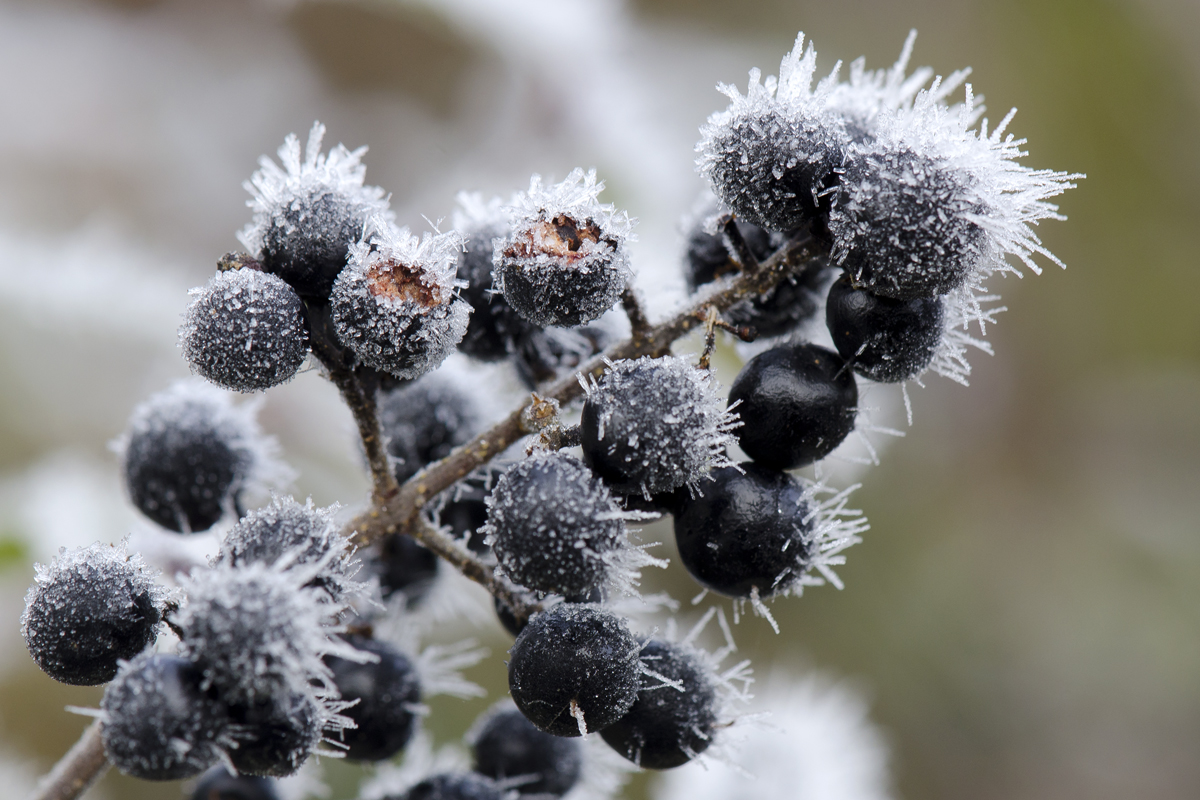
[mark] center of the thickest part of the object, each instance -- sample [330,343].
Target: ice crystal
[394,305]
[564,260]
[424,421]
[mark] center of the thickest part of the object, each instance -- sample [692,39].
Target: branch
[82,766]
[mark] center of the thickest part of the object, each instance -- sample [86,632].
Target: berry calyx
[505,745]
[797,404]
[388,694]
[884,339]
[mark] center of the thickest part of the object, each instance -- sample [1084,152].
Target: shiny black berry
[797,403]
[423,421]
[506,745]
[453,786]
[667,726]
[748,531]
[405,566]
[274,737]
[574,669]
[218,784]
[884,339]
[159,723]
[388,692]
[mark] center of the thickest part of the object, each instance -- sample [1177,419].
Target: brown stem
[639,323]
[82,766]
[710,337]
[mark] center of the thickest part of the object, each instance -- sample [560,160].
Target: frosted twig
[82,766]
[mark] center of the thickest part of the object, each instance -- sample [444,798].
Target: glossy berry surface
[423,421]
[885,339]
[506,745]
[405,566]
[667,726]
[88,609]
[453,786]
[388,692]
[553,525]
[219,784]
[574,669]
[748,531]
[274,737]
[159,724]
[797,403]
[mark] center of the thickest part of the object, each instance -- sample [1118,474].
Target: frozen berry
[187,454]
[453,786]
[219,784]
[463,510]
[88,609]
[574,669]
[797,403]
[158,723]
[668,725]
[505,745]
[563,261]
[653,425]
[554,526]
[307,214]
[394,305]
[546,355]
[244,331]
[388,693]
[885,339]
[274,737]
[405,566]
[423,421]
[748,532]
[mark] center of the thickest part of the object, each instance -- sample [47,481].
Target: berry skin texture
[886,340]
[653,425]
[274,738]
[218,784]
[748,533]
[544,355]
[422,422]
[405,566]
[88,609]
[506,745]
[667,727]
[797,403]
[574,670]
[553,525]
[245,331]
[453,786]
[388,692]
[158,724]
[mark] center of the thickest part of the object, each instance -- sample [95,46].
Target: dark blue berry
[388,692]
[423,421]
[275,737]
[405,566]
[508,746]
[545,355]
[494,327]
[306,242]
[463,509]
[884,339]
[667,726]
[748,531]
[218,784]
[574,669]
[453,786]
[797,403]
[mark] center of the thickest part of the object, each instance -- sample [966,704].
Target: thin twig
[639,323]
[737,246]
[78,769]
[710,337]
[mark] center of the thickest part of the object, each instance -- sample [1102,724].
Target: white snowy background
[1023,619]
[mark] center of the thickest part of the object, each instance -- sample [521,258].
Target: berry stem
[736,244]
[639,323]
[77,770]
[710,337]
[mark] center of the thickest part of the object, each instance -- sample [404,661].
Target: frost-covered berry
[494,327]
[884,339]
[505,745]
[453,786]
[423,421]
[244,331]
[88,609]
[309,213]
[256,630]
[388,693]
[774,155]
[749,531]
[188,453]
[563,261]
[797,403]
[405,566]
[574,669]
[546,355]
[394,305]
[463,510]
[554,526]
[159,724]
[300,534]
[655,424]
[219,784]
[669,725]
[274,737]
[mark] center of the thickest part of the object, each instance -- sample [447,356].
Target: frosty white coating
[394,304]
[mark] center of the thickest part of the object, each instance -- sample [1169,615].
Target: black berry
[885,339]
[388,692]
[748,532]
[274,737]
[506,745]
[405,566]
[797,403]
[494,327]
[667,726]
[218,784]
[545,355]
[453,786]
[423,421]
[574,669]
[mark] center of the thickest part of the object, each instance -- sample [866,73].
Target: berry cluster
[870,201]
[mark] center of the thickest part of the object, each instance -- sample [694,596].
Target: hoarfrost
[424,421]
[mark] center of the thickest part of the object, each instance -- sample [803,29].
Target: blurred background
[1023,616]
